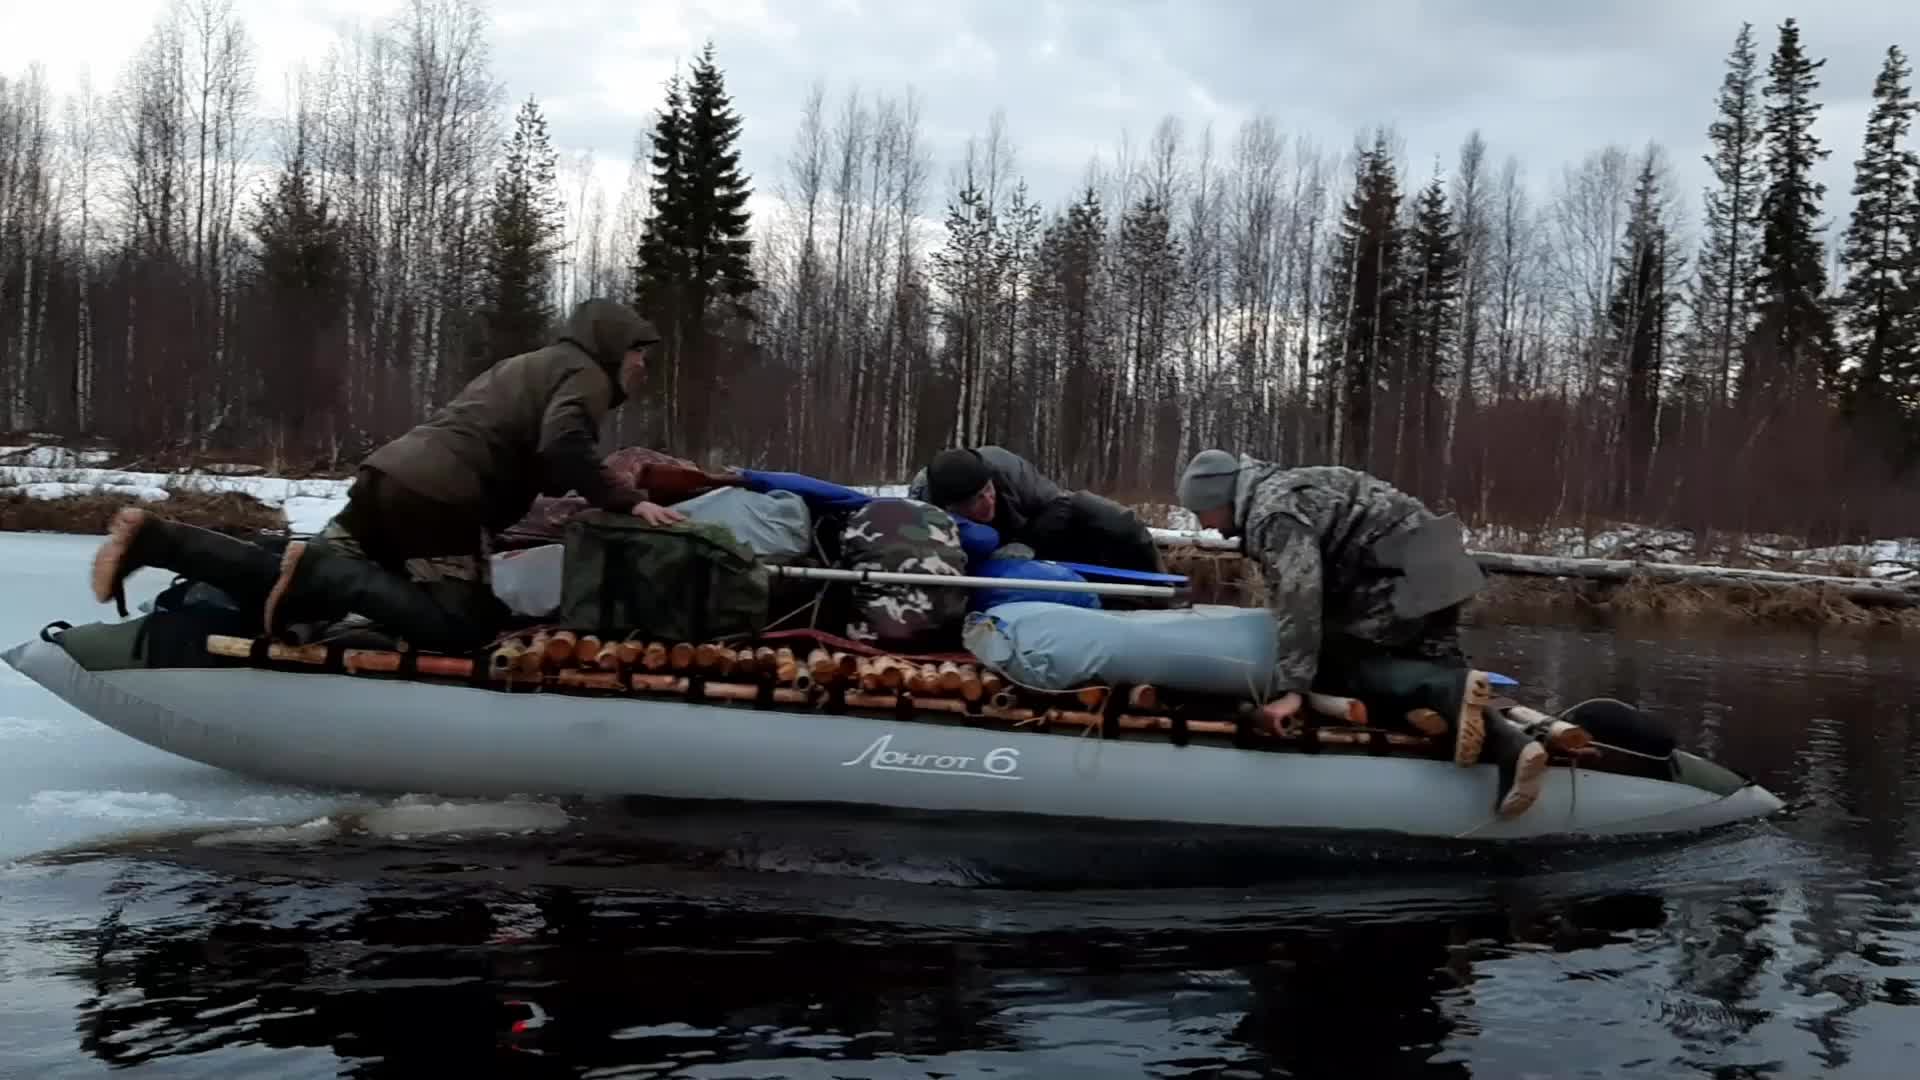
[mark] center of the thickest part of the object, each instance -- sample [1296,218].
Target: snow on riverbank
[49,472]
[53,472]
[1890,560]
[307,503]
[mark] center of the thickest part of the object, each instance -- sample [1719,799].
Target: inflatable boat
[337,718]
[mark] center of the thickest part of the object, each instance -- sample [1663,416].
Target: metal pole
[884,577]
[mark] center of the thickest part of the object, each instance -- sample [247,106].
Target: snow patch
[52,457]
[308,514]
[412,817]
[316,831]
[108,805]
[308,504]
[43,726]
[49,489]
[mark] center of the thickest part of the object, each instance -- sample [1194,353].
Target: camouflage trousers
[467,569]
[1372,626]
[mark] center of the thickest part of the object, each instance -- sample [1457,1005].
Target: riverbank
[1611,567]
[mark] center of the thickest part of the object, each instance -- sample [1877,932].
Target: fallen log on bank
[1866,592]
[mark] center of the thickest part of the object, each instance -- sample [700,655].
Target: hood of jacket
[605,330]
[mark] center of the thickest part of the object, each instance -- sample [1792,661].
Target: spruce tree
[1638,317]
[1366,312]
[525,226]
[964,269]
[301,251]
[1722,299]
[660,261]
[1074,251]
[1901,377]
[1792,343]
[1432,285]
[1877,301]
[695,270]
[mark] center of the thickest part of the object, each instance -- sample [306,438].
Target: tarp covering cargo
[1206,649]
[775,525]
[666,479]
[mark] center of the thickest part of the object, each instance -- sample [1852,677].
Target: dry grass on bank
[1510,597]
[1226,578]
[222,511]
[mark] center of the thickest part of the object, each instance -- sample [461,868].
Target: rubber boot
[315,583]
[1403,686]
[1523,765]
[138,537]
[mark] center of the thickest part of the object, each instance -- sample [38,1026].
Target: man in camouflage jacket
[1365,585]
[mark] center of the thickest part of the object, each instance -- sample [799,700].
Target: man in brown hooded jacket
[408,550]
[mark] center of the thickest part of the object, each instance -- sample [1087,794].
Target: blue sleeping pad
[977,540]
[1030,570]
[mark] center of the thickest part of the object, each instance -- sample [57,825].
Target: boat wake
[627,843]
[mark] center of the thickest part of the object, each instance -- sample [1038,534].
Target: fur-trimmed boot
[138,537]
[1400,686]
[1522,759]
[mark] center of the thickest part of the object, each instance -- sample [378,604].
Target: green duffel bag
[690,581]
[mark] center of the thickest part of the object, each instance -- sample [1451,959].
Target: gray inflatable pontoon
[368,734]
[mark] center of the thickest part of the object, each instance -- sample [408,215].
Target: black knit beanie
[954,476]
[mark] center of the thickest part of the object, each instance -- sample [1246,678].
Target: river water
[158,914]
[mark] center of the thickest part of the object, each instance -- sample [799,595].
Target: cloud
[1545,82]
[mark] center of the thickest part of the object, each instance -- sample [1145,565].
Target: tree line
[182,274]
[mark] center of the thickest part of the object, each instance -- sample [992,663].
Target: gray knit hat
[1208,482]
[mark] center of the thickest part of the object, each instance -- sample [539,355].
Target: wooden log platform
[958,692]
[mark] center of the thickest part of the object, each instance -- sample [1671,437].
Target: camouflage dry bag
[689,581]
[903,536]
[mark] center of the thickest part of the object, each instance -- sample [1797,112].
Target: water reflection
[1366,980]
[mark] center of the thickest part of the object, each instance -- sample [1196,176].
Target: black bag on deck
[690,581]
[173,635]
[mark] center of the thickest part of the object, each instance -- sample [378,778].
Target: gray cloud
[1547,82]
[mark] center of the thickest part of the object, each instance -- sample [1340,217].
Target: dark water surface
[1787,949]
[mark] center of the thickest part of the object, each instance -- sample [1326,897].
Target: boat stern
[1736,790]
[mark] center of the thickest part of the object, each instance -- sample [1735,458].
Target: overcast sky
[1543,79]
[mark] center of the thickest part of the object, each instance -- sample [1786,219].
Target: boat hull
[395,736]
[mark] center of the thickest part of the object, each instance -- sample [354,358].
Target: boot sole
[1470,727]
[107,561]
[289,562]
[1427,722]
[1529,771]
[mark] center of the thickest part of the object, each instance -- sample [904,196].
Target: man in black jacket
[998,487]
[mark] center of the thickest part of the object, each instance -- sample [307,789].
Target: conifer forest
[186,272]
